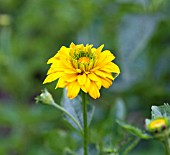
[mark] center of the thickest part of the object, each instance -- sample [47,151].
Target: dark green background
[32,31]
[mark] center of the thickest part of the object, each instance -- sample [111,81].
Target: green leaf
[46,97]
[135,32]
[67,151]
[111,151]
[74,108]
[160,111]
[120,109]
[134,130]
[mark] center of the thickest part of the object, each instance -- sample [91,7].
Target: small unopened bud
[158,127]
[45,97]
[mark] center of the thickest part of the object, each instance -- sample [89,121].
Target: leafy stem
[131,146]
[67,113]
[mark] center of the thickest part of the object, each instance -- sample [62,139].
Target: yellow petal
[56,68]
[98,50]
[89,67]
[94,91]
[105,57]
[82,79]
[111,67]
[99,83]
[72,45]
[103,74]
[50,60]
[81,67]
[70,77]
[108,54]
[61,83]
[64,51]
[84,89]
[70,71]
[57,63]
[75,63]
[93,77]
[67,64]
[87,84]
[88,47]
[106,83]
[53,77]
[100,73]
[73,89]
[78,70]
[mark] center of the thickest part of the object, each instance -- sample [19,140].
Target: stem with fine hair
[67,113]
[167,146]
[85,131]
[131,146]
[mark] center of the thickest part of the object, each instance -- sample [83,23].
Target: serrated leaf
[74,108]
[160,111]
[134,130]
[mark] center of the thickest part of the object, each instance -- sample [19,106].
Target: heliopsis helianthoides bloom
[83,68]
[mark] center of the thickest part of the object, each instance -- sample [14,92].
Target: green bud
[45,97]
[158,127]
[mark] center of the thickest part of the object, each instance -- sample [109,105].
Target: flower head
[82,67]
[157,125]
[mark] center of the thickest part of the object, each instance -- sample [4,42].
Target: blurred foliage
[31,31]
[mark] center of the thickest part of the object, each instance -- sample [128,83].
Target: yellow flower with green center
[83,68]
[157,125]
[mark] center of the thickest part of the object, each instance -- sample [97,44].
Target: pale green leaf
[74,108]
[134,130]
[160,111]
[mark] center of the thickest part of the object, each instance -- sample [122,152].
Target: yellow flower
[82,67]
[157,125]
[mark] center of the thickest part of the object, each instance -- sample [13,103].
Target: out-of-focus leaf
[134,130]
[135,31]
[67,151]
[160,111]
[74,107]
[110,151]
[134,34]
[120,109]
[143,2]
[92,150]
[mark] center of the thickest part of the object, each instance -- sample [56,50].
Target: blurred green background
[32,31]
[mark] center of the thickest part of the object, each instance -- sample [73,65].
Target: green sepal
[134,130]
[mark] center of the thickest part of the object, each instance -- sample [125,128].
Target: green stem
[167,146]
[133,144]
[63,110]
[85,135]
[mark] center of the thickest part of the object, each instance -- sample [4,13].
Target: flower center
[84,60]
[157,123]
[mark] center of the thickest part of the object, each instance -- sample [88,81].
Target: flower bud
[45,97]
[158,127]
